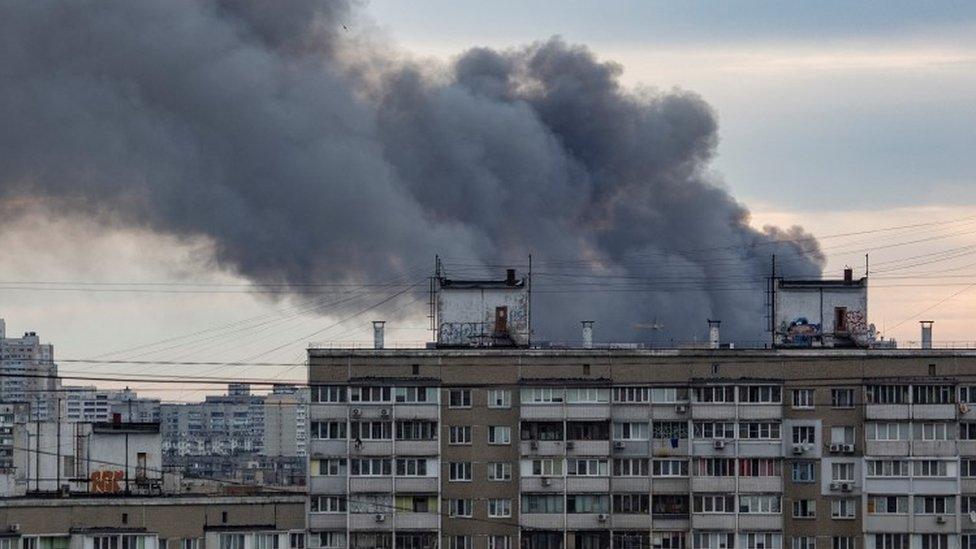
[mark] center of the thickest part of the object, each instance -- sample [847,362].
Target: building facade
[220,425]
[29,374]
[628,448]
[90,404]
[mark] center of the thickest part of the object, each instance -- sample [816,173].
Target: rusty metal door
[501,320]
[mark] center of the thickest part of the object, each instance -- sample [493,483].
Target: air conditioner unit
[846,487]
[719,444]
[835,486]
[681,409]
[836,447]
[797,449]
[15,527]
[570,445]
[384,412]
[849,448]
[534,444]
[940,520]
[602,517]
[619,445]
[546,481]
[380,517]
[356,412]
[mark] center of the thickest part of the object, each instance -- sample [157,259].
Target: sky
[841,117]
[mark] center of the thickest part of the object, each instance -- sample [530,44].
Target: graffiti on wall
[460,333]
[106,482]
[800,332]
[857,323]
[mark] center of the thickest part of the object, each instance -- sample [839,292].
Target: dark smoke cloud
[253,123]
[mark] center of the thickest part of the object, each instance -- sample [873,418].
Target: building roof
[834,284]
[447,283]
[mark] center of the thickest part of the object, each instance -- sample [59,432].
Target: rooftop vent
[587,334]
[378,333]
[926,333]
[713,335]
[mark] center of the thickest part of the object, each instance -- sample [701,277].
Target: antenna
[528,309]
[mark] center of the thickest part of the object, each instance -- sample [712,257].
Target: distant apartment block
[29,374]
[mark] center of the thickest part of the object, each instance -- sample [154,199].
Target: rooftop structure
[481,313]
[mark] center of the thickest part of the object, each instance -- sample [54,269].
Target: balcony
[934,411]
[761,484]
[935,524]
[319,411]
[670,412]
[542,448]
[587,484]
[541,521]
[417,448]
[760,411]
[542,484]
[724,412]
[760,448]
[630,484]
[546,412]
[327,521]
[887,523]
[371,484]
[933,447]
[630,522]
[631,412]
[666,485]
[318,447]
[416,521]
[417,484]
[327,485]
[887,411]
[757,522]
[371,448]
[587,411]
[416,411]
[887,447]
[713,521]
[670,522]
[630,448]
[588,447]
[713,484]
[587,521]
[663,447]
[368,521]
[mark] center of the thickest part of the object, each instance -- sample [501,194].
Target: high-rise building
[220,425]
[90,404]
[831,443]
[29,374]
[286,422]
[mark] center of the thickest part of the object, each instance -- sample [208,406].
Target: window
[761,394]
[804,434]
[630,431]
[932,468]
[185,543]
[459,434]
[547,467]
[803,400]
[935,505]
[499,471]
[759,467]
[670,468]
[934,541]
[460,507]
[804,542]
[933,394]
[459,471]
[416,430]
[587,503]
[499,398]
[459,398]
[542,503]
[760,540]
[8,543]
[968,466]
[842,398]
[459,542]
[632,504]
[265,541]
[587,395]
[631,394]
[370,467]
[416,504]
[891,541]
[499,542]
[587,430]
[715,467]
[715,393]
[662,540]
[416,395]
[842,472]
[713,540]
[542,430]
[627,539]
[328,430]
[669,395]
[227,541]
[328,393]
[370,394]
[296,540]
[670,430]
[714,504]
[541,395]
[843,508]
[713,429]
[499,508]
[411,467]
[328,504]
[967,504]
[630,467]
[842,434]
[967,394]
[586,467]
[888,430]
[842,542]
[968,541]
[932,431]
[759,430]
[499,434]
[804,508]
[332,467]
[967,430]
[887,505]
[886,394]
[670,505]
[759,504]
[371,503]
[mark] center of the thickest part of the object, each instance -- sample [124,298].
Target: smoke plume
[309,151]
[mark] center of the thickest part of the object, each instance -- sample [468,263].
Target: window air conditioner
[570,445]
[719,444]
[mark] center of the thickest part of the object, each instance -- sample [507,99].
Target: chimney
[378,333]
[587,334]
[926,333]
[713,339]
[848,275]
[510,277]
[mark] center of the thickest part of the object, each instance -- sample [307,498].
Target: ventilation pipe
[378,333]
[713,339]
[587,334]
[926,333]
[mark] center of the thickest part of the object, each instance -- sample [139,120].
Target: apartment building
[29,374]
[91,404]
[830,443]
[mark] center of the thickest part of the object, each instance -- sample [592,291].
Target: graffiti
[460,333]
[106,482]
[857,323]
[800,333]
